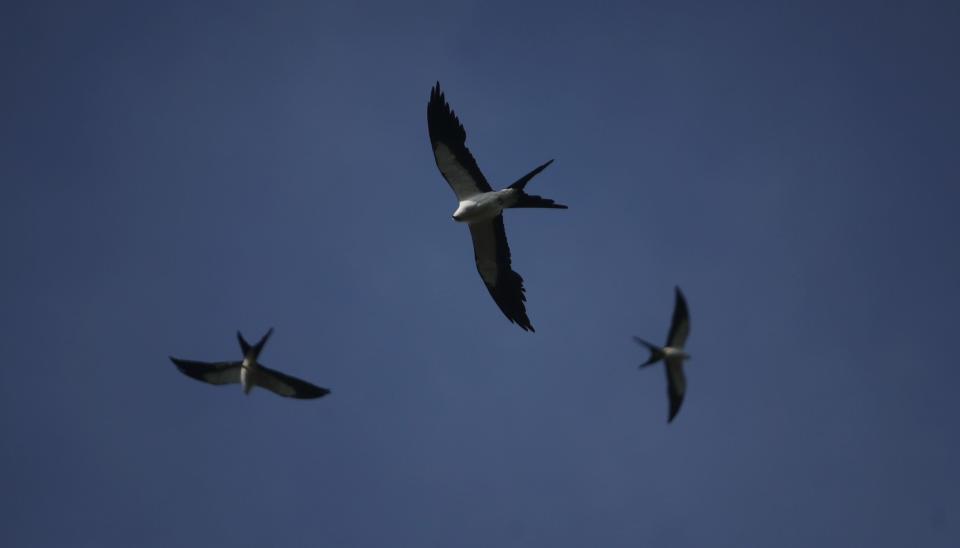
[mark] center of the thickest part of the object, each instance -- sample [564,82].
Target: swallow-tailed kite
[673,354]
[481,207]
[250,373]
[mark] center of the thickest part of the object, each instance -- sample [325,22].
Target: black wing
[492,255]
[285,385]
[680,326]
[213,373]
[448,140]
[676,386]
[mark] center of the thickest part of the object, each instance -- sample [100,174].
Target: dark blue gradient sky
[175,172]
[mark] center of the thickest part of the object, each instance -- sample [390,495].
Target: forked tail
[656,353]
[530,200]
[257,348]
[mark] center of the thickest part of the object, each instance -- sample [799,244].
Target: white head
[464,209]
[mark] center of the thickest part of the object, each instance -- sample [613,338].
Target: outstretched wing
[213,373]
[676,385]
[492,254]
[285,385]
[680,326]
[448,139]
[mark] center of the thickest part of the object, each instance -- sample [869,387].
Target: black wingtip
[521,319]
[674,411]
[313,392]
[182,366]
[679,294]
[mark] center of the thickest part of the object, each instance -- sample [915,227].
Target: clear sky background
[176,171]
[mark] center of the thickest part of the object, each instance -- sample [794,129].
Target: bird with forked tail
[250,372]
[481,207]
[673,354]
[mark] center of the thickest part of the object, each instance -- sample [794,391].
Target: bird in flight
[481,207]
[250,372]
[673,354]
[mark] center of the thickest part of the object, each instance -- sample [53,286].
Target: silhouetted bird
[673,354]
[249,372]
[481,207]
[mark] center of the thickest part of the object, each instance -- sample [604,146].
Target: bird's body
[481,207]
[484,206]
[673,354]
[249,372]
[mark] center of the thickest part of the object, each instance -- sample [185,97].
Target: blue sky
[175,172]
